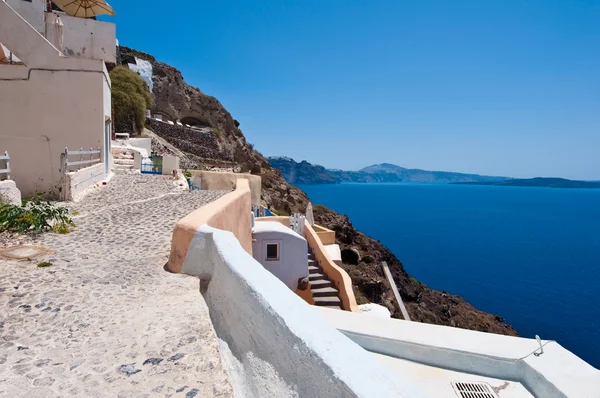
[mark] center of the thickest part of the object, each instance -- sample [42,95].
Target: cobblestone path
[105,320]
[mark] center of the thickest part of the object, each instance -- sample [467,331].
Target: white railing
[122,136]
[5,170]
[297,223]
[89,160]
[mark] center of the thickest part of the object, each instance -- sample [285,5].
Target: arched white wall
[293,258]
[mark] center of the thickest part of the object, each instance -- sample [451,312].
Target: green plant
[415,282]
[62,228]
[35,216]
[44,264]
[131,97]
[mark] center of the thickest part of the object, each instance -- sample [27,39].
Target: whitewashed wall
[292,264]
[76,183]
[557,373]
[32,12]
[274,343]
[86,38]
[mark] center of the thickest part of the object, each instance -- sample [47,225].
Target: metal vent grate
[473,390]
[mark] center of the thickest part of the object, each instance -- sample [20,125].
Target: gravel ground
[105,320]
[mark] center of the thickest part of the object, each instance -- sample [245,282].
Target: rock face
[203,144]
[179,101]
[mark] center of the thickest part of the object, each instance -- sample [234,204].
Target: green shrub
[44,264]
[131,97]
[415,282]
[35,216]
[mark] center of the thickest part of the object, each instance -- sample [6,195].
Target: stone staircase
[122,159]
[323,291]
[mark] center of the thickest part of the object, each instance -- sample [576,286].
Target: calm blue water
[530,255]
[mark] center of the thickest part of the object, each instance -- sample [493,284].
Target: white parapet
[334,253]
[274,343]
[170,164]
[84,37]
[549,371]
[77,183]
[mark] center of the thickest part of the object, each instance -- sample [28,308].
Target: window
[272,251]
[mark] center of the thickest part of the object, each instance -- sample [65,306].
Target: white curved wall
[293,262]
[277,345]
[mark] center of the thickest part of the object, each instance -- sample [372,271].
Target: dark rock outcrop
[177,100]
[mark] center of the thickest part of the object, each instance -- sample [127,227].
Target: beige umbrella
[85,8]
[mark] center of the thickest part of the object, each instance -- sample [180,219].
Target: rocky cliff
[179,101]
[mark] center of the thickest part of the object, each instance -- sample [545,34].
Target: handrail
[6,171]
[66,164]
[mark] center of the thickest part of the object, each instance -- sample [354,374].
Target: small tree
[131,97]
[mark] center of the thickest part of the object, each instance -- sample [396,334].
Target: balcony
[84,38]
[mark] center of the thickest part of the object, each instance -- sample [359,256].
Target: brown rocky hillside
[218,141]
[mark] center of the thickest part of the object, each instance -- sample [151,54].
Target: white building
[281,251]
[54,98]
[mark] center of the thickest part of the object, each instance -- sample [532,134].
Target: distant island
[539,182]
[306,173]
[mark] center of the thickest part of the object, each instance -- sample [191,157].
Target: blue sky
[493,87]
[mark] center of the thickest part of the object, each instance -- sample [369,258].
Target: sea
[530,255]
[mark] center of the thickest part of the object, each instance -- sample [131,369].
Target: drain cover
[24,252]
[467,389]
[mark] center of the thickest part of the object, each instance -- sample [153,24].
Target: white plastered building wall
[291,263]
[50,103]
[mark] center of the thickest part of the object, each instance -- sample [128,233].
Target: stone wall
[200,143]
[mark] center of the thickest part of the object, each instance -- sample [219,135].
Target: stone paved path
[105,320]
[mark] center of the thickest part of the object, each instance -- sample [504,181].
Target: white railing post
[64,160]
[7,165]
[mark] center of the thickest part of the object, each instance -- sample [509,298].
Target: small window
[272,251]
